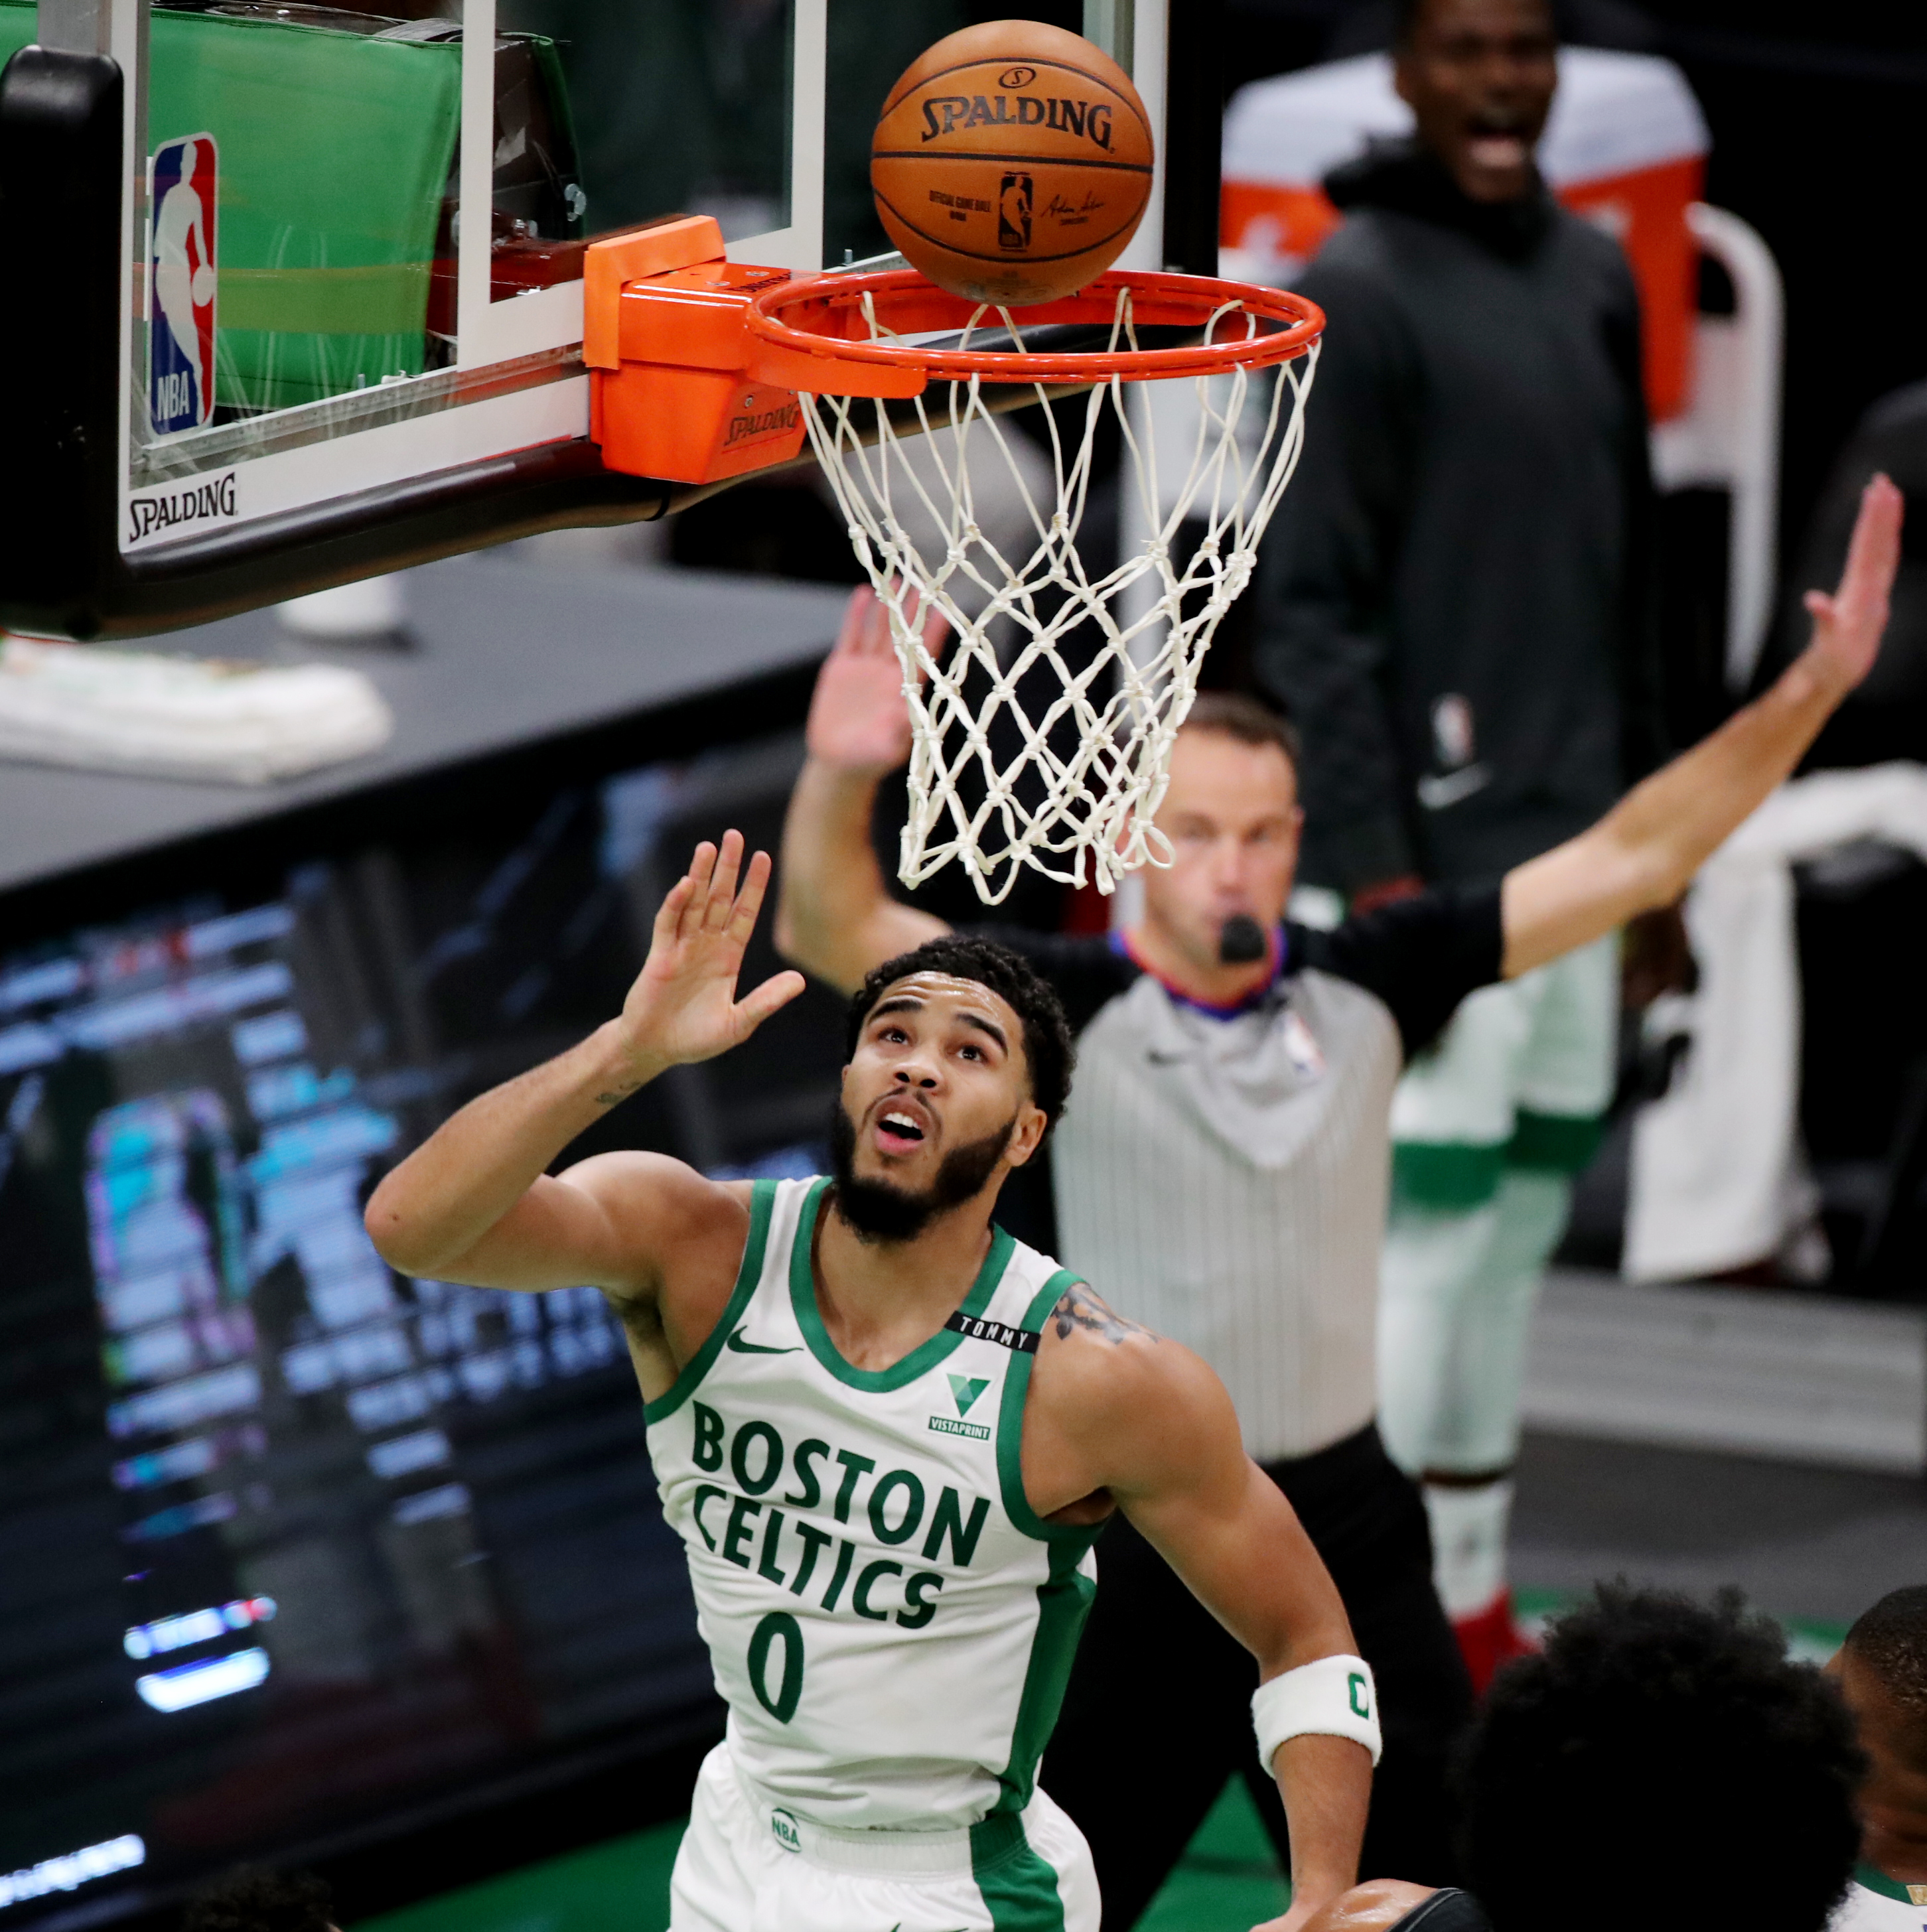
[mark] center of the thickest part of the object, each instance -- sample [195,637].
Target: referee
[1222,1175]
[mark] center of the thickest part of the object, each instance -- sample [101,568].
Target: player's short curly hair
[1658,1749]
[1890,1640]
[1048,1052]
[252,1899]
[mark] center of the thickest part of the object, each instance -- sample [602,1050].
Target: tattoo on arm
[1079,1308]
[616,1094]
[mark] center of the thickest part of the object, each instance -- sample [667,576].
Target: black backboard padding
[60,190]
[1194,111]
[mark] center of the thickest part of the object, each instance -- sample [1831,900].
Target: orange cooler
[1626,147]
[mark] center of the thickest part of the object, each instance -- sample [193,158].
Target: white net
[1067,777]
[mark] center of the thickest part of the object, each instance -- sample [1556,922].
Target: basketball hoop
[1099,751]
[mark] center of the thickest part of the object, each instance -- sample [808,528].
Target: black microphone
[1240,941]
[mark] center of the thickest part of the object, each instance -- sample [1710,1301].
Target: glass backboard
[323,367]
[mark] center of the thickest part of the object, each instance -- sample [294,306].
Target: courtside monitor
[305,1561]
[306,295]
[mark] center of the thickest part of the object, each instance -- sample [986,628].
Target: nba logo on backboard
[181,281]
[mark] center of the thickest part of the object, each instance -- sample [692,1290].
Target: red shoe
[1489,1638]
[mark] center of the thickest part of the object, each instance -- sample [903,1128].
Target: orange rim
[824,317]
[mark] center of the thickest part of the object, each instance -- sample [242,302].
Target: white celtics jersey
[890,1624]
[1875,1902]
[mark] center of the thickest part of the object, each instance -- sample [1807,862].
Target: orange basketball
[1012,162]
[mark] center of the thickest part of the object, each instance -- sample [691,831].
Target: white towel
[1717,1180]
[184,717]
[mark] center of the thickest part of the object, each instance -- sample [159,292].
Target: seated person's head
[1882,1672]
[1659,1765]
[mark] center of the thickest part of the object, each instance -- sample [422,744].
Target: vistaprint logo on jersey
[965,1390]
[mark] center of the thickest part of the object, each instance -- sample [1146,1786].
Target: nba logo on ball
[1013,212]
[182,279]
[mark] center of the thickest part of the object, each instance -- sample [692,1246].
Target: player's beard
[880,1210]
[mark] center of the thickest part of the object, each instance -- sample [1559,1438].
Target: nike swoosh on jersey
[739,1346]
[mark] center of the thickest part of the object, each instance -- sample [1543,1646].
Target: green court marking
[1228,1877]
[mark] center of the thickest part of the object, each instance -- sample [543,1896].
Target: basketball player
[888,1435]
[1455,603]
[1224,1172]
[1881,1670]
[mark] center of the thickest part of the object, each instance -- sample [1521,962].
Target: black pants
[1158,1714]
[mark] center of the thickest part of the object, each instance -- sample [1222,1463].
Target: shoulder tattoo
[1079,1308]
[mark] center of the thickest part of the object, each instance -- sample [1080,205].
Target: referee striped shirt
[1221,1174]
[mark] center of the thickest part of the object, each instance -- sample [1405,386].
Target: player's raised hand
[683,1006]
[858,720]
[1847,625]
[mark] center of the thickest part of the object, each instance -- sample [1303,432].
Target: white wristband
[1333,1697]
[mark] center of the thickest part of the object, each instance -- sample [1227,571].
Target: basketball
[1012,162]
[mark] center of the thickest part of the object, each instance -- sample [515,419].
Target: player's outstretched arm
[473,1202]
[835,916]
[1643,852]
[1114,1408]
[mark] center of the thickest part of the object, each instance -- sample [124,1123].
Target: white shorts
[746,1866]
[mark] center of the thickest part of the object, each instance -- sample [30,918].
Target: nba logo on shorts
[180,282]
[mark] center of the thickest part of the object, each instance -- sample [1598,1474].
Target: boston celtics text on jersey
[890,1624]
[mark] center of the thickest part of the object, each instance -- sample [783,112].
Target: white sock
[1468,1528]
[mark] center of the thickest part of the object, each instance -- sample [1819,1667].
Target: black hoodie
[1455,600]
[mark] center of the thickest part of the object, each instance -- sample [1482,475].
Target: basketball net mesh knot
[1069,787]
